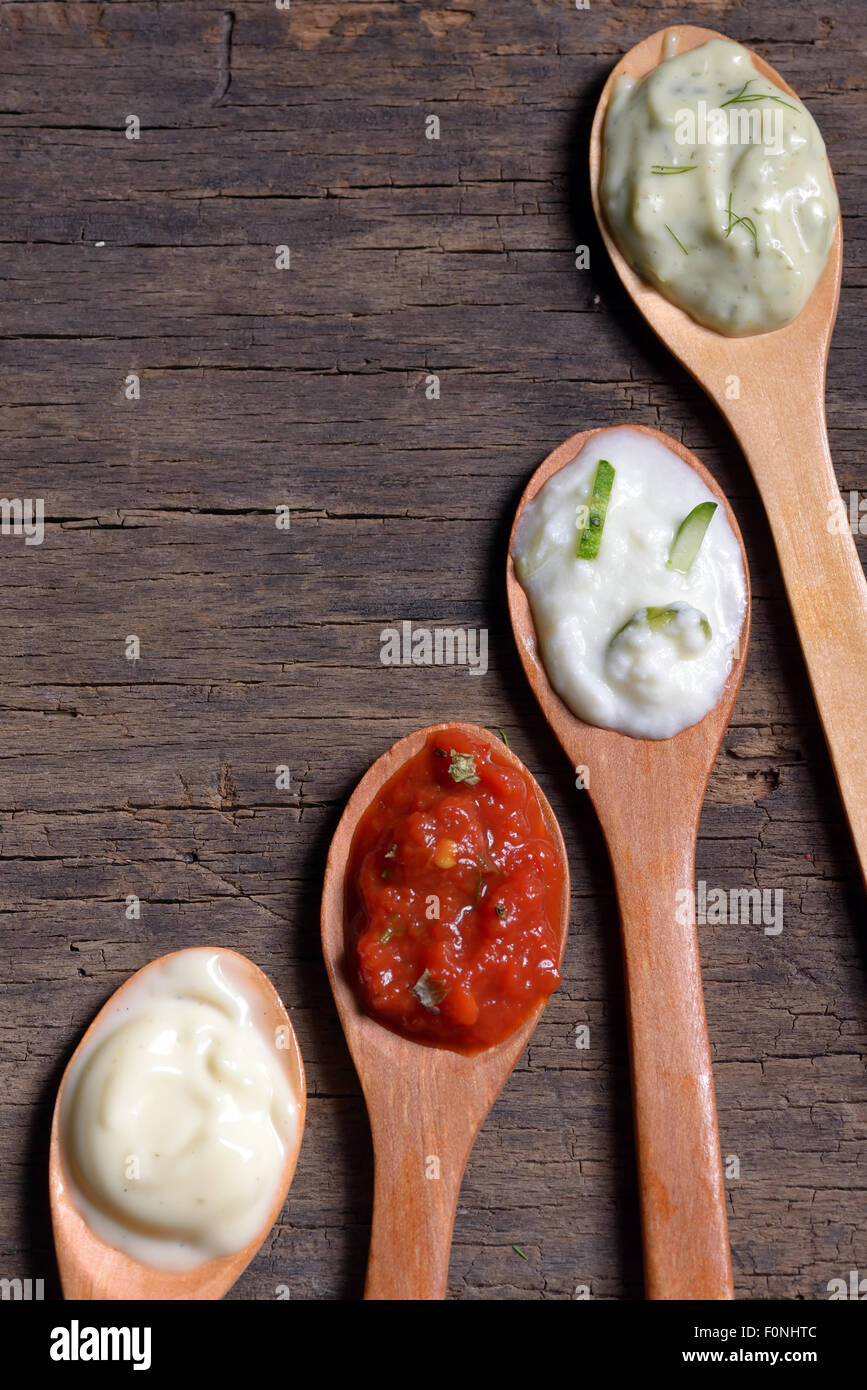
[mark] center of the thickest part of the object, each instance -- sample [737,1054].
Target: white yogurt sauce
[178,1116]
[741,235]
[642,680]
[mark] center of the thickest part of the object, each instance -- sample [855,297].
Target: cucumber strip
[659,618]
[591,534]
[690,534]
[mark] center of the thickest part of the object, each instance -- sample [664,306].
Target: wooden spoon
[648,794]
[779,421]
[426,1104]
[92,1269]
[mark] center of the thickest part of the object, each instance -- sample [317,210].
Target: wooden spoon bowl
[426,1104]
[92,1269]
[770,387]
[648,794]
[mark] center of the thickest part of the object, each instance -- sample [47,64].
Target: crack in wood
[224,68]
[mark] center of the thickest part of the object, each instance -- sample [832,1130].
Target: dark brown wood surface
[305,387]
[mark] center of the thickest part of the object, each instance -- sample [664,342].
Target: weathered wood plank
[260,647]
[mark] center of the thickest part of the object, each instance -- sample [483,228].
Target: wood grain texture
[259,647]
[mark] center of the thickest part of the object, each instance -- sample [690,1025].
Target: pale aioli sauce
[178,1116]
[621,675]
[723,202]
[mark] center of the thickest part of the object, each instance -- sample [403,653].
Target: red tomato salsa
[454,898]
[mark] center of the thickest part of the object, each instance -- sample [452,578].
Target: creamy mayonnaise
[628,642]
[717,189]
[178,1115]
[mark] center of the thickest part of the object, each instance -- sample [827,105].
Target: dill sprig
[736,221]
[677,238]
[742,100]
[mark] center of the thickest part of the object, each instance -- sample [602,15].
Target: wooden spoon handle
[421,1148]
[683,1217]
[786,444]
[411,1233]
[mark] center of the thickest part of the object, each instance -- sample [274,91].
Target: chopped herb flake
[430,993]
[394,928]
[463,768]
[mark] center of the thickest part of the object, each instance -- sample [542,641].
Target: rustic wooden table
[308,387]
